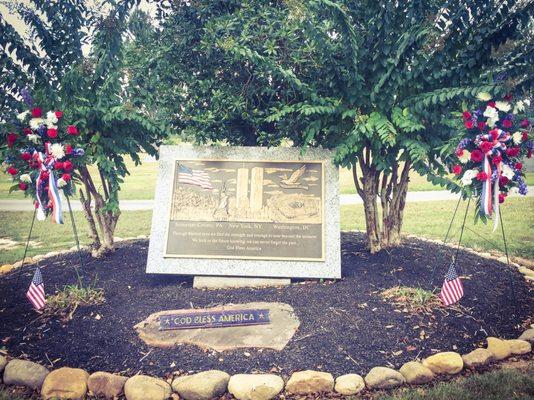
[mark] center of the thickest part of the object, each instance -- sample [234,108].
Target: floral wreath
[487,160]
[39,157]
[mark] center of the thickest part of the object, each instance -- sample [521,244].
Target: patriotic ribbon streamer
[490,196]
[46,165]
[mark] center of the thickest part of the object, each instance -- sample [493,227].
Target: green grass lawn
[141,183]
[428,219]
[505,384]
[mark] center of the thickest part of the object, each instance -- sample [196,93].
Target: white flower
[466,155]
[36,123]
[513,190]
[468,176]
[57,150]
[516,137]
[26,178]
[503,106]
[61,182]
[484,96]
[519,107]
[493,116]
[22,116]
[507,171]
[34,138]
[51,118]
[526,102]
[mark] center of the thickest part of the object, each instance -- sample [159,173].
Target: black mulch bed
[345,325]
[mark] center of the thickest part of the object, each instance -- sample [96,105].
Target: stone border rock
[74,383]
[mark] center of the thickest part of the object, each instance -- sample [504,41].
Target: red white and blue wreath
[487,161]
[41,157]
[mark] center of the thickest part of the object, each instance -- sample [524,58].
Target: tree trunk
[391,189]
[366,188]
[102,223]
[86,207]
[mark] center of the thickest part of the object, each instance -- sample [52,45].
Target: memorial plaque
[213,319]
[246,211]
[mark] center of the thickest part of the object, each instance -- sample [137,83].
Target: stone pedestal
[230,282]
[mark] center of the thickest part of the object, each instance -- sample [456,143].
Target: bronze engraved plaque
[228,209]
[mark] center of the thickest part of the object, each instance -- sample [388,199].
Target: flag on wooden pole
[452,289]
[36,292]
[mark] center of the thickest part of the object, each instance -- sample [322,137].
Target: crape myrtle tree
[90,87]
[375,80]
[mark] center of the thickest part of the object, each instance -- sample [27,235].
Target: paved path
[135,205]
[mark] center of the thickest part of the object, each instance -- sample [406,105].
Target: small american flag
[36,293]
[452,289]
[194,177]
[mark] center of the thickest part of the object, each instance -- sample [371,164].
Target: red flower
[494,134]
[44,175]
[482,176]
[26,156]
[524,136]
[477,156]
[27,131]
[68,149]
[481,125]
[66,177]
[508,97]
[67,166]
[503,180]
[37,112]
[23,186]
[485,146]
[72,130]
[52,133]
[491,104]
[497,160]
[469,124]
[513,151]
[502,196]
[59,114]
[12,171]
[58,165]
[36,204]
[518,166]
[524,123]
[507,123]
[466,115]
[457,169]
[11,137]
[459,152]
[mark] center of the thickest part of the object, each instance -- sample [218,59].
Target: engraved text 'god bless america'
[214,319]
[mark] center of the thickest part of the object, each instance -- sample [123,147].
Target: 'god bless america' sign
[214,319]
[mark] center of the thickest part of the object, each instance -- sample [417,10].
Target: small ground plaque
[248,325]
[213,319]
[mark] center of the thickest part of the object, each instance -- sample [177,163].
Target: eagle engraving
[293,181]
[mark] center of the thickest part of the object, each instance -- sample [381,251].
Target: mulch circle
[346,326]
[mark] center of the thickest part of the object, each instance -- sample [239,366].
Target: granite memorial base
[232,282]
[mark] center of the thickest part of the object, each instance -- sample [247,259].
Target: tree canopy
[374,80]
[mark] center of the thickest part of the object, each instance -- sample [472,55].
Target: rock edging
[75,383]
